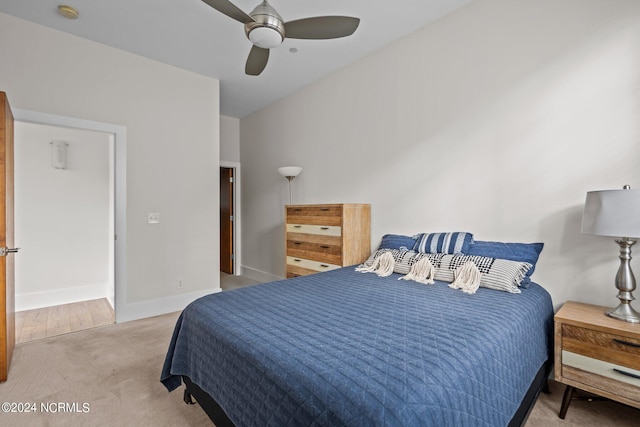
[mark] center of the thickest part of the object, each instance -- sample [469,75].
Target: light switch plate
[153,218]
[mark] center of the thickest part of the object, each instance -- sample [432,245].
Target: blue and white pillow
[498,274]
[447,243]
[404,259]
[523,252]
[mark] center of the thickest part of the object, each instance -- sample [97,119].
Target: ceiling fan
[266,29]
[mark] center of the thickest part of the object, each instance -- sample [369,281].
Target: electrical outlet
[180,284]
[153,218]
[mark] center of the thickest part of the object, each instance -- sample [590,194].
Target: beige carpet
[115,370]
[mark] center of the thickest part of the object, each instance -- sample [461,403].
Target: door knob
[4,251]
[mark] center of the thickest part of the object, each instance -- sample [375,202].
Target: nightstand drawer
[609,370]
[616,349]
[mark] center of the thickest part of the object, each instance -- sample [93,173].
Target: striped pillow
[499,274]
[447,243]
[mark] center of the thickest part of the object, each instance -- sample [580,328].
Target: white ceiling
[191,35]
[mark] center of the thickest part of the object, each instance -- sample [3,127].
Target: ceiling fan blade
[256,61]
[321,27]
[229,9]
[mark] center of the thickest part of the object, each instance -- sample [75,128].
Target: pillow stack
[458,259]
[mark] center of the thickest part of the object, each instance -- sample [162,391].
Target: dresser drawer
[616,349]
[315,251]
[317,215]
[310,264]
[295,271]
[324,230]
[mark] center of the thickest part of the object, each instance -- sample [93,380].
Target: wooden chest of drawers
[597,354]
[325,237]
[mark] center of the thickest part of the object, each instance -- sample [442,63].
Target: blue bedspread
[346,348]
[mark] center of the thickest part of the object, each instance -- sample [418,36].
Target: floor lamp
[290,172]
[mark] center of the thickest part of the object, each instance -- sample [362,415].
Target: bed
[353,349]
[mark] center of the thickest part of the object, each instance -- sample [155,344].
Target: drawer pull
[297,243]
[629,374]
[630,344]
[324,209]
[297,260]
[324,228]
[324,265]
[297,226]
[297,209]
[324,247]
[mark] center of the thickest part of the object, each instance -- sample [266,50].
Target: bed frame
[220,419]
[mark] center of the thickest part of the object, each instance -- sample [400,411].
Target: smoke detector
[68,11]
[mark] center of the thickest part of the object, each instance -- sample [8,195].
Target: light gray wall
[496,119]
[229,139]
[171,118]
[62,217]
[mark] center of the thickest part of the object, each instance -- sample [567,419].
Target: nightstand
[597,354]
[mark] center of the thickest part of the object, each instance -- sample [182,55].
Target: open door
[7,291]
[226,220]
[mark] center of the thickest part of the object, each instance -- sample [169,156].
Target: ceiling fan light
[265,37]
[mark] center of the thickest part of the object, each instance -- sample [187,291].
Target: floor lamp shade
[616,213]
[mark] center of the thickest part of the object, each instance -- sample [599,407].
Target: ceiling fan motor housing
[267,28]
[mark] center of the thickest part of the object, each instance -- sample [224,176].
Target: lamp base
[624,312]
[626,284]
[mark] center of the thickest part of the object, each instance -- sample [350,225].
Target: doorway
[65,223]
[118,137]
[115,137]
[226,220]
[230,229]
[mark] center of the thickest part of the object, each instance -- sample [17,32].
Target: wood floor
[62,319]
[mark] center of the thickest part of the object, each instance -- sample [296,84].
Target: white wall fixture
[290,172]
[59,154]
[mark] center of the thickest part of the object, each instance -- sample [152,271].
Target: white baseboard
[33,300]
[258,275]
[156,307]
[111,295]
[111,302]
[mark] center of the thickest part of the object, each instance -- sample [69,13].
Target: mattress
[353,349]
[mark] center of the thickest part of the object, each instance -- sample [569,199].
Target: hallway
[62,319]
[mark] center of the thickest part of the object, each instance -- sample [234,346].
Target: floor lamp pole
[290,178]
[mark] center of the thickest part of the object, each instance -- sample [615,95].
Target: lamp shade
[290,170]
[614,213]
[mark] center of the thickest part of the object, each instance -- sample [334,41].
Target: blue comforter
[346,348]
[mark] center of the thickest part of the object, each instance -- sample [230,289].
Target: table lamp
[616,213]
